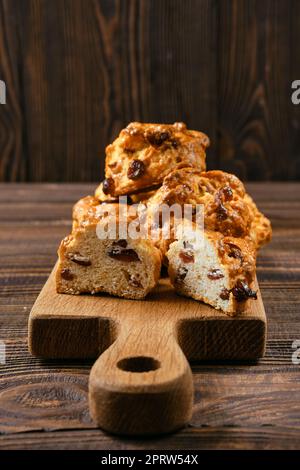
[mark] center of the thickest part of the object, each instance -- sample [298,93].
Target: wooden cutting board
[141,382]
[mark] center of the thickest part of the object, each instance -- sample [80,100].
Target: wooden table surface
[43,404]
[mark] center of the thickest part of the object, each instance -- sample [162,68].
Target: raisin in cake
[143,154]
[88,264]
[227,207]
[215,269]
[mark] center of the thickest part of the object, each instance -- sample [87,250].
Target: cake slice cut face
[215,269]
[122,267]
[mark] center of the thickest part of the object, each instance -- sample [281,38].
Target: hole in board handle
[138,364]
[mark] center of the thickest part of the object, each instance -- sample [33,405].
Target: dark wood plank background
[77,71]
[44,403]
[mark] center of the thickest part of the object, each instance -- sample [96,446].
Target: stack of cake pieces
[156,165]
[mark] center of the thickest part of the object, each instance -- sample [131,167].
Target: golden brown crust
[227,207]
[239,255]
[84,208]
[133,198]
[221,194]
[144,154]
[142,196]
[261,229]
[102,197]
[89,211]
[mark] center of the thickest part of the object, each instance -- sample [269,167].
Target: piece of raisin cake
[215,269]
[227,207]
[122,267]
[143,154]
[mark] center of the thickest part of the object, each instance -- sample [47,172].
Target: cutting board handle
[142,384]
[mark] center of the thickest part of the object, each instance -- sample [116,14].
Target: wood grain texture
[13,158]
[142,383]
[258,124]
[78,71]
[65,326]
[193,438]
[238,405]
